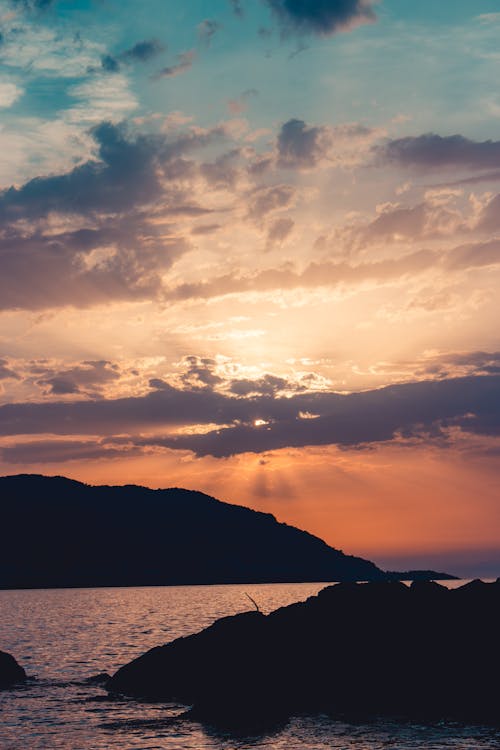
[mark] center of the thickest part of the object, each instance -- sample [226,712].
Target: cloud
[240,104]
[322,274]
[431,151]
[266,200]
[493,176]
[110,64]
[122,260]
[442,213]
[303,147]
[398,222]
[9,93]
[87,378]
[6,373]
[222,172]
[321,17]
[185,62]
[263,420]
[474,255]
[478,363]
[62,451]
[124,175]
[489,219]
[207,30]
[33,5]
[117,250]
[206,229]
[278,231]
[268,385]
[163,406]
[410,410]
[141,52]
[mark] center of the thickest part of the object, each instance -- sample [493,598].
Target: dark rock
[98,679]
[10,671]
[370,649]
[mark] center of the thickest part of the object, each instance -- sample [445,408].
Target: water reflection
[65,636]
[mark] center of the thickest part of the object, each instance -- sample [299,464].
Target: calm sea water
[62,637]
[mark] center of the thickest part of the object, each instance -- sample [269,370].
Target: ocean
[63,637]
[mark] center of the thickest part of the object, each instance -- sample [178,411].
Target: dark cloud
[475,180]
[266,386]
[162,407]
[124,175]
[427,220]
[143,51]
[431,151]
[398,222]
[184,63]
[61,451]
[200,372]
[6,372]
[321,17]
[110,64]
[474,255]
[263,420]
[88,378]
[120,253]
[279,230]
[206,229]
[264,201]
[411,410]
[51,271]
[223,172]
[481,362]
[300,146]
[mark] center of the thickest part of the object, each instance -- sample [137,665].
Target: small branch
[253,602]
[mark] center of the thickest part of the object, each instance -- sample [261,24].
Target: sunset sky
[252,247]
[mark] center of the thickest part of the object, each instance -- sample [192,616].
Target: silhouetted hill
[419,575]
[62,533]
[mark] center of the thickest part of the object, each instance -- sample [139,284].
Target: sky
[252,247]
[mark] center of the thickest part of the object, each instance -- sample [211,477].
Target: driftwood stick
[253,602]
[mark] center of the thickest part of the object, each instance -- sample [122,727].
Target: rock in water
[368,649]
[10,671]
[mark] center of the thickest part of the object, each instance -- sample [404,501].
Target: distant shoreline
[220,583]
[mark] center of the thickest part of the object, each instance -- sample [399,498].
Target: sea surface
[63,637]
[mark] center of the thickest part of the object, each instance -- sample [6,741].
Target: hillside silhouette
[62,533]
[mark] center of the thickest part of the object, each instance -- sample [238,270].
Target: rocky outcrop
[10,671]
[379,649]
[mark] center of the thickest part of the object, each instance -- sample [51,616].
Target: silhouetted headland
[418,575]
[360,650]
[77,535]
[10,671]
